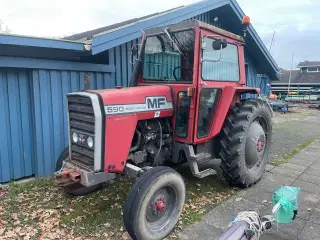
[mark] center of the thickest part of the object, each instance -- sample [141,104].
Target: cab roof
[191,24]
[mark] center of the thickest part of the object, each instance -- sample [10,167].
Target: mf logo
[156,102]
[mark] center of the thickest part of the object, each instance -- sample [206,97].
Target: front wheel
[154,204]
[245,142]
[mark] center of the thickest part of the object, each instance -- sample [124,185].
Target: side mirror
[219,44]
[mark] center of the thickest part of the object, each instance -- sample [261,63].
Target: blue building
[36,73]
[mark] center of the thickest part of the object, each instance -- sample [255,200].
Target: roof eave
[103,42]
[308,66]
[16,40]
[302,84]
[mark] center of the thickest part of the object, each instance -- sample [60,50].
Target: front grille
[81,121]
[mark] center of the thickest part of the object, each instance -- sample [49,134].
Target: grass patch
[294,151]
[40,210]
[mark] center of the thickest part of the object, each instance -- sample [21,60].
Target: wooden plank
[99,81]
[124,65]
[27,160]
[66,88]
[5,140]
[81,76]
[110,79]
[39,165]
[46,118]
[129,60]
[57,113]
[75,85]
[15,122]
[118,66]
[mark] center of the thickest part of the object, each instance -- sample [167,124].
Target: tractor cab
[201,64]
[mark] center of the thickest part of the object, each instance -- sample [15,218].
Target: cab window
[220,64]
[207,107]
[182,114]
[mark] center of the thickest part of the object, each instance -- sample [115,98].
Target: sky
[296,23]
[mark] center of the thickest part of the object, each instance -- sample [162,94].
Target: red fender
[230,95]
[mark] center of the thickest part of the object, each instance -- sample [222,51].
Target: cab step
[200,174]
[201,157]
[194,159]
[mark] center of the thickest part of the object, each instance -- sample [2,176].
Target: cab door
[184,113]
[218,69]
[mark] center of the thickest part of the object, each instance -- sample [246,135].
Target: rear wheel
[75,189]
[154,204]
[245,142]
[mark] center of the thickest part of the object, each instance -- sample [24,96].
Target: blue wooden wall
[33,118]
[16,146]
[254,78]
[49,88]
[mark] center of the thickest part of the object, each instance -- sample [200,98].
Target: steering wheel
[174,73]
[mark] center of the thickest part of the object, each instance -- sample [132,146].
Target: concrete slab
[222,215]
[286,172]
[312,154]
[311,148]
[316,165]
[309,198]
[310,178]
[270,182]
[311,231]
[307,202]
[200,231]
[306,156]
[308,187]
[271,236]
[294,167]
[305,211]
[301,162]
[269,167]
[312,171]
[315,216]
[257,195]
[288,231]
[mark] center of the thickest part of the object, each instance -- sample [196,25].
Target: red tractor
[184,105]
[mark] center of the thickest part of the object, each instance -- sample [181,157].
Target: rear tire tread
[232,137]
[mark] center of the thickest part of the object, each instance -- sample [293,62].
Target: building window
[313,69]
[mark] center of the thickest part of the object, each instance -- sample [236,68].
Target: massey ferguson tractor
[184,106]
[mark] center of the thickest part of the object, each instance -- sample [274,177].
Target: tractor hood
[136,99]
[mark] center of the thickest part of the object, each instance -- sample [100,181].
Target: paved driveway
[302,171]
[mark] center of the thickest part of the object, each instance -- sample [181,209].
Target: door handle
[204,84]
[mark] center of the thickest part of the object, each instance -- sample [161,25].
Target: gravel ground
[292,129]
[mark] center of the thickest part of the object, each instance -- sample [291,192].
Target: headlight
[90,142]
[75,137]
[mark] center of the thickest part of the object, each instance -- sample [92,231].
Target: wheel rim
[256,143]
[161,208]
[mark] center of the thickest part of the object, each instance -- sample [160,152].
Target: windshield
[168,59]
